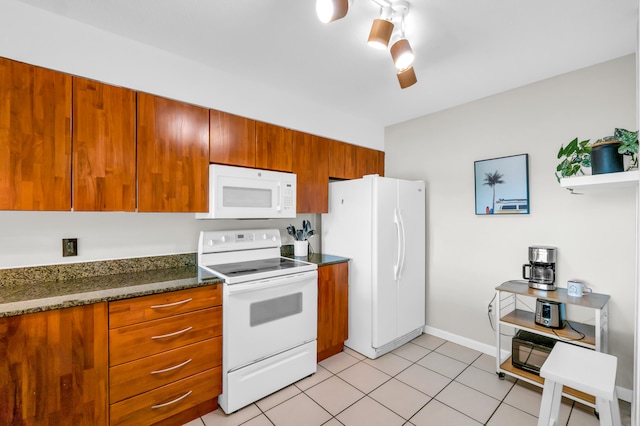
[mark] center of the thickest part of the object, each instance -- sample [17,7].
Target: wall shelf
[607,180]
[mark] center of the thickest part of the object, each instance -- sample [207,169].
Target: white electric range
[269,313]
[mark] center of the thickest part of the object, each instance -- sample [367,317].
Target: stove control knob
[264,236]
[274,239]
[223,239]
[209,242]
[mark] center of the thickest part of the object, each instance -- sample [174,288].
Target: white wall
[42,38]
[469,255]
[35,238]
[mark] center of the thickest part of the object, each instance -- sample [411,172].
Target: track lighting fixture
[391,12]
[407,77]
[331,10]
[381,29]
[401,51]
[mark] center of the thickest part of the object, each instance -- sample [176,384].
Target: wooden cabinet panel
[156,306]
[342,160]
[367,161]
[333,309]
[104,147]
[35,138]
[135,377]
[164,402]
[173,155]
[311,165]
[53,367]
[274,147]
[380,163]
[232,139]
[151,337]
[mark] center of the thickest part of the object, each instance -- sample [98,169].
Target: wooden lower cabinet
[333,309]
[165,357]
[172,403]
[54,367]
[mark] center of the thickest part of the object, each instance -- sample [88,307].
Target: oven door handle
[294,279]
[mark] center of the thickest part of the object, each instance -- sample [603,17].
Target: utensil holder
[301,248]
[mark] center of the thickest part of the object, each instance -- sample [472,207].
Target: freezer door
[386,253]
[411,282]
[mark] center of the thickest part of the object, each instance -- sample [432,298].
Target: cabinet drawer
[166,401]
[156,306]
[135,377]
[148,338]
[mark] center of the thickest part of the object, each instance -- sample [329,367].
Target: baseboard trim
[623,393]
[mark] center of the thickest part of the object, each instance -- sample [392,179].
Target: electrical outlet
[69,247]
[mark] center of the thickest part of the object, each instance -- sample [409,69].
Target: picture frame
[502,185]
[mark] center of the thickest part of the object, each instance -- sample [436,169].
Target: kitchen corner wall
[469,255]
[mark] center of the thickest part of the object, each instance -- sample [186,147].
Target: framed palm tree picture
[502,185]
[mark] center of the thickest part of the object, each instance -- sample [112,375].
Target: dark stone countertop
[21,297]
[320,259]
[37,289]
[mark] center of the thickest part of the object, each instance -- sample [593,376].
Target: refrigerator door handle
[402,245]
[397,268]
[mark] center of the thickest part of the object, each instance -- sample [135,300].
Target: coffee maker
[541,267]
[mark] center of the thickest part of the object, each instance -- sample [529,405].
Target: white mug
[577,288]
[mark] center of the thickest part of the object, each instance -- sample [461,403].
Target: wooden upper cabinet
[35,138]
[104,147]
[367,161]
[274,147]
[342,160]
[232,139]
[311,165]
[173,155]
[380,163]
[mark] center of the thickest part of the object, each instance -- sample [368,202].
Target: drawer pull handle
[171,402]
[168,305]
[175,333]
[172,368]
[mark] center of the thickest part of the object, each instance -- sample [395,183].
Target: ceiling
[465,49]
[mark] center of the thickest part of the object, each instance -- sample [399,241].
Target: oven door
[266,317]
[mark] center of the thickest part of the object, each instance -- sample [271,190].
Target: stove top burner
[237,269]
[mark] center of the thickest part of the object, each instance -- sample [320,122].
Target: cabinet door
[53,367]
[367,161]
[342,160]
[35,138]
[232,139]
[333,309]
[311,165]
[104,147]
[380,163]
[274,147]
[173,155]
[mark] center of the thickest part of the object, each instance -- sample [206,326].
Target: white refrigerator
[379,224]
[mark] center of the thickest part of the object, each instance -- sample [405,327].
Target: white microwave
[244,193]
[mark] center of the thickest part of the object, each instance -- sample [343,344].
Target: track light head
[380,33]
[402,54]
[331,10]
[407,77]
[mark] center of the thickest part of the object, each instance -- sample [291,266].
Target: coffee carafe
[541,267]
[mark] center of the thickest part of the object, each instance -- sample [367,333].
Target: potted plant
[604,156]
[607,153]
[575,156]
[628,145]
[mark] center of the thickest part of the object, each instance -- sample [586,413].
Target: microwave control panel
[288,197]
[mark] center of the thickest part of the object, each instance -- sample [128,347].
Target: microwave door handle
[279,207]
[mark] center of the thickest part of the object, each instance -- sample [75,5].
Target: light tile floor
[428,381]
